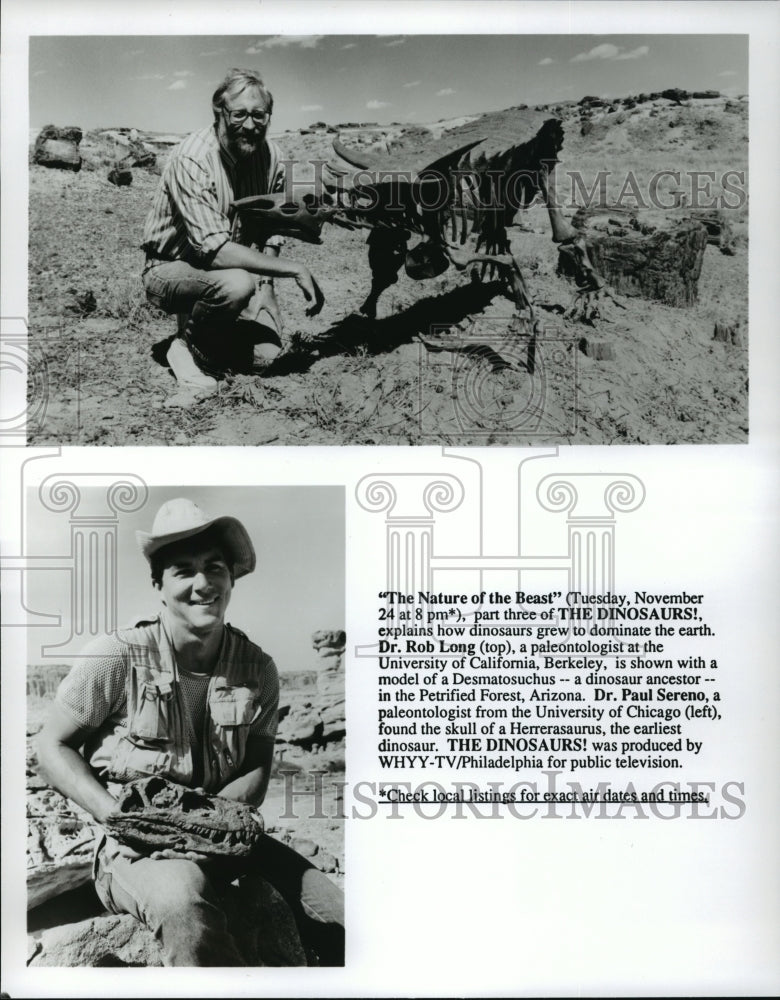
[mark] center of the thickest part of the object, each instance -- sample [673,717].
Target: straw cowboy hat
[181,518]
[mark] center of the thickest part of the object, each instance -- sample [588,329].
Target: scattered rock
[120,176]
[599,350]
[727,333]
[82,304]
[326,862]
[305,847]
[141,157]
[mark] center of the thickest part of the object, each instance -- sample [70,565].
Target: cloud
[547,61]
[635,53]
[395,41]
[445,93]
[311,107]
[604,51]
[374,105]
[350,45]
[212,52]
[609,51]
[413,83]
[183,72]
[728,72]
[149,76]
[282,42]
[178,85]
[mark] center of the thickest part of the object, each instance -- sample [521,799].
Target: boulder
[120,176]
[58,148]
[326,862]
[259,919]
[101,941]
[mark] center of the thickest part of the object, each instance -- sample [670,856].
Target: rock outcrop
[315,717]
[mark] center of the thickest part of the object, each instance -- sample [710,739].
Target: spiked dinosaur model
[470,182]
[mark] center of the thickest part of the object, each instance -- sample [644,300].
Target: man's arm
[251,784]
[249,259]
[64,767]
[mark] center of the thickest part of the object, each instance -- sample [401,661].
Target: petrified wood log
[663,265]
[58,147]
[154,814]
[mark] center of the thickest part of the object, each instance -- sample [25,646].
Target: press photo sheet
[511,490]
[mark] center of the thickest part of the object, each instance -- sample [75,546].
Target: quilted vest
[156,739]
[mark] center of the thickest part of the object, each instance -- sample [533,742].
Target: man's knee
[168,888]
[187,886]
[232,288]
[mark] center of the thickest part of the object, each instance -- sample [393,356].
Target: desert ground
[446,360]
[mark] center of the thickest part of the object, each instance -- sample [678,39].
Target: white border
[482,941]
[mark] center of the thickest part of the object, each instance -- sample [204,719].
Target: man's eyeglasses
[239,116]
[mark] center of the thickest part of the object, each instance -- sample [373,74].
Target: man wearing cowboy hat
[187,696]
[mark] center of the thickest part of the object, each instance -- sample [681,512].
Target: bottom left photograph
[186,725]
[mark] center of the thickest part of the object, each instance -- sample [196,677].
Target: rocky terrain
[445,361]
[66,922]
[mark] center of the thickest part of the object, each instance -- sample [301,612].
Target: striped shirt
[190,218]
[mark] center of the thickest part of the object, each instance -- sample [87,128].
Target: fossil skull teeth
[158,814]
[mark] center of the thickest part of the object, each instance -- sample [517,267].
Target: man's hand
[256,262]
[169,855]
[130,853]
[311,290]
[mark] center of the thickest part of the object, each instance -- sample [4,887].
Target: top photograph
[388,240]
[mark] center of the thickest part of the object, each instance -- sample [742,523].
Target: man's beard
[245,147]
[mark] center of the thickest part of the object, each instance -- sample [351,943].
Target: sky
[165,82]
[297,588]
